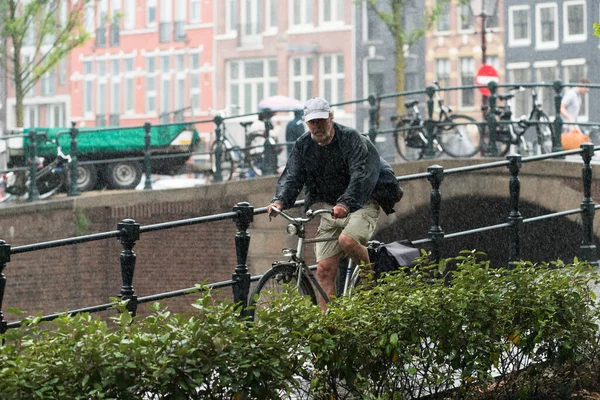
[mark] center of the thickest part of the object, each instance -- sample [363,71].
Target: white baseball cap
[316,108]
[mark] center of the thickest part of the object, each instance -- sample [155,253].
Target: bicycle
[295,273]
[236,161]
[454,134]
[530,136]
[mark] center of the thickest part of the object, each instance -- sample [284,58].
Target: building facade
[454,54]
[551,40]
[375,63]
[296,48]
[147,61]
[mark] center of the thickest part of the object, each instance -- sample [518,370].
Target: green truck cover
[109,140]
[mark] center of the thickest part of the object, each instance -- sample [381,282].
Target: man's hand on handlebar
[340,211]
[271,212]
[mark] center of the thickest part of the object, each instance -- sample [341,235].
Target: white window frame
[567,37]
[538,27]
[586,98]
[460,83]
[337,12]
[195,5]
[512,42]
[231,9]
[129,80]
[537,66]
[335,76]
[101,88]
[195,91]
[366,74]
[88,79]
[149,5]
[180,76]
[270,25]
[50,120]
[306,18]
[151,94]
[89,16]
[305,79]
[115,88]
[130,14]
[252,37]
[27,123]
[266,81]
[459,20]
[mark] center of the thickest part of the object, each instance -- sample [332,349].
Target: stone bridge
[88,274]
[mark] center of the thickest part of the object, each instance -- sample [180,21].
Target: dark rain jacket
[347,171]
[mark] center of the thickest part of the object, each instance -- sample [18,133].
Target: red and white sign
[485,75]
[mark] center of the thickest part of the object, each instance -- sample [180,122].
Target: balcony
[100,119]
[101,36]
[164,32]
[179,33]
[114,120]
[115,34]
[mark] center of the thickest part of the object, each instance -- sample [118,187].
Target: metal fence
[129,232]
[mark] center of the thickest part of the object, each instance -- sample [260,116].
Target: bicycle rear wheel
[411,143]
[255,152]
[227,162]
[276,281]
[460,136]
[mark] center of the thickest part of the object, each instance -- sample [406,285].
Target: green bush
[415,333]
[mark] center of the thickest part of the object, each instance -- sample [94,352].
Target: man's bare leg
[357,252]
[327,270]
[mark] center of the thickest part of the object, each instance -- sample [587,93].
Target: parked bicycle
[454,134]
[235,161]
[294,272]
[51,177]
[528,135]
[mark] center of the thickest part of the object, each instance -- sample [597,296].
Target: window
[55,115]
[302,77]
[332,77]
[573,71]
[494,61]
[195,88]
[443,22]
[231,10]
[301,12]
[195,11]
[546,27]
[271,22]
[179,81]
[467,77]
[546,72]
[519,32]
[102,13]
[89,17]
[101,103]
[129,85]
[522,101]
[251,20]
[150,84]
[129,15]
[331,11]
[31,116]
[166,16]
[88,87]
[250,81]
[375,77]
[115,91]
[574,20]
[165,95]
[150,13]
[466,18]
[62,72]
[442,72]
[180,12]
[47,83]
[165,64]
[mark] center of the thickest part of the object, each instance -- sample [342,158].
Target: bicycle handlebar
[310,214]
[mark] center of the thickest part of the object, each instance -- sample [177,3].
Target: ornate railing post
[73,189]
[429,123]
[270,155]
[241,276]
[435,203]
[515,219]
[130,233]
[4,259]
[147,159]
[587,250]
[492,149]
[34,193]
[373,117]
[558,121]
[218,176]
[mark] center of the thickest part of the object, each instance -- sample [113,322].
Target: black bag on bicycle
[392,256]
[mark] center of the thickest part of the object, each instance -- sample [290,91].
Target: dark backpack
[391,256]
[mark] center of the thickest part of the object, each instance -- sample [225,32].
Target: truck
[109,157]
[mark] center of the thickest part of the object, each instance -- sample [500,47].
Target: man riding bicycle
[341,168]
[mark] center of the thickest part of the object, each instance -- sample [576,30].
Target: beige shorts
[359,225]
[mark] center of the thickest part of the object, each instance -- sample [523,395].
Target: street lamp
[483,9]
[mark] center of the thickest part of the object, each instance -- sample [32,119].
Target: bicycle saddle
[505,96]
[246,123]
[410,103]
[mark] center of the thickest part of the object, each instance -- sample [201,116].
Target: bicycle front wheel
[227,163]
[276,281]
[411,143]
[460,136]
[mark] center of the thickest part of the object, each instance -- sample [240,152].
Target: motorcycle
[50,178]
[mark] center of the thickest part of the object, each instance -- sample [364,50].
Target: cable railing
[129,232]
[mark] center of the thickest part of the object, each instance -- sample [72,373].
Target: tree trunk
[18,81]
[400,81]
